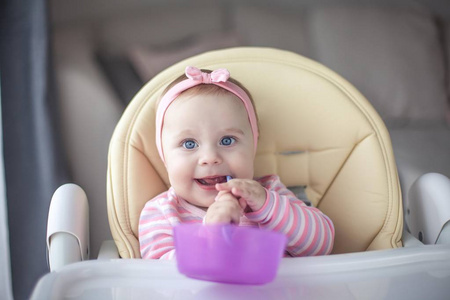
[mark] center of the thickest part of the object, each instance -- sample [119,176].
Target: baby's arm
[309,231]
[275,207]
[155,232]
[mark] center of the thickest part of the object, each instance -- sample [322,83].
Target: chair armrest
[444,236]
[108,250]
[68,226]
[409,240]
[428,211]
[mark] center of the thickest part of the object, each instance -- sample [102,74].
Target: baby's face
[204,139]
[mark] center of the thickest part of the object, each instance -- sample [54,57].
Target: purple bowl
[228,253]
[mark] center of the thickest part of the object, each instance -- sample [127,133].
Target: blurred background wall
[33,164]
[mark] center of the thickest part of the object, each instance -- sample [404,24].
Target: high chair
[316,129]
[317,132]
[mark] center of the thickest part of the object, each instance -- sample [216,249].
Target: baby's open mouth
[211,180]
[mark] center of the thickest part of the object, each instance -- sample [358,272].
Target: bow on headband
[219,75]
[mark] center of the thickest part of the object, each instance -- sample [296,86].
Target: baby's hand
[225,209]
[248,191]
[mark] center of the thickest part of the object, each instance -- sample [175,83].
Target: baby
[206,135]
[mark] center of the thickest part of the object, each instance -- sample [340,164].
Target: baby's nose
[210,156]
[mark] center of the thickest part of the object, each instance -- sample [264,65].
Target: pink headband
[196,77]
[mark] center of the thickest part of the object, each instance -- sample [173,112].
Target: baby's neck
[200,207]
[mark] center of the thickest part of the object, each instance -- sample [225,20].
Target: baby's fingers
[242,203]
[241,192]
[223,187]
[224,195]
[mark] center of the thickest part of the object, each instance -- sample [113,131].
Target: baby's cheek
[247,170]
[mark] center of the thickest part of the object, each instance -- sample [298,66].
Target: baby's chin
[204,205]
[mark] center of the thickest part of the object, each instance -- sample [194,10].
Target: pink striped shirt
[309,231]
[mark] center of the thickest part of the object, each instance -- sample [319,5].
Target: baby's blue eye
[227,141]
[189,144]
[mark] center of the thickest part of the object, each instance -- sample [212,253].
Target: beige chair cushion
[317,131]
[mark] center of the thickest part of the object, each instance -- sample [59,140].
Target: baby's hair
[208,89]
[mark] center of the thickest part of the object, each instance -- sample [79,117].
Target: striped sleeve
[155,229]
[309,231]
